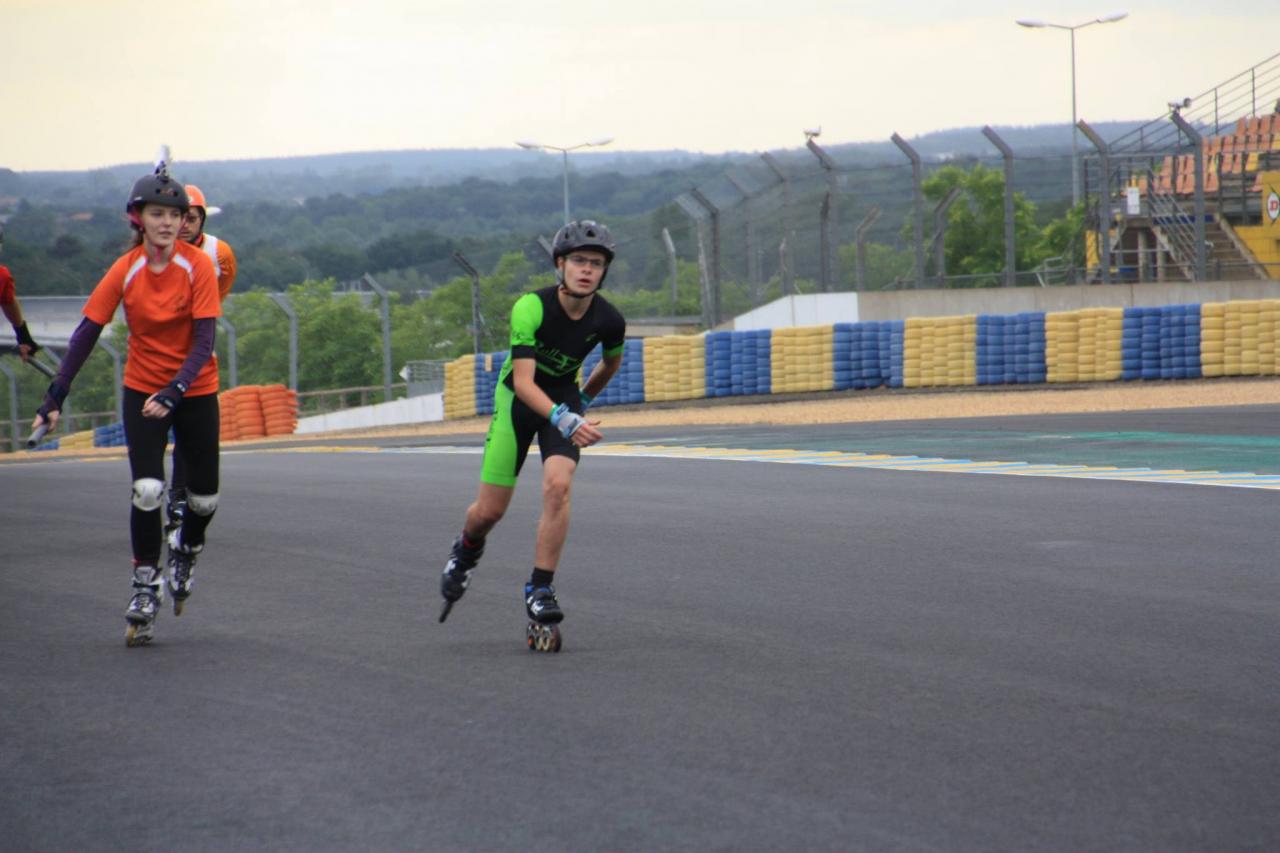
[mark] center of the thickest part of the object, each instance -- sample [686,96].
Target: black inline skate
[457,573]
[545,616]
[182,563]
[148,595]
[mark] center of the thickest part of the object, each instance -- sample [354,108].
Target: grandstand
[1187,191]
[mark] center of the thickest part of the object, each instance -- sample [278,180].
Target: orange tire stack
[228,405]
[257,411]
[279,409]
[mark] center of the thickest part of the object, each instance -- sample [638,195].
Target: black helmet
[583,234]
[157,189]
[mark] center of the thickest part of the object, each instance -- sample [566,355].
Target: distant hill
[374,172]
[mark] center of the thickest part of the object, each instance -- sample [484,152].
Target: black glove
[53,399]
[171,395]
[25,339]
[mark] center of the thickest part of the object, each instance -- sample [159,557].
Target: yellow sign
[1270,201]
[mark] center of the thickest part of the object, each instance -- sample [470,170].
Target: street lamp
[1036,24]
[564,151]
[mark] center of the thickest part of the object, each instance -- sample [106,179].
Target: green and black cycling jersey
[541,330]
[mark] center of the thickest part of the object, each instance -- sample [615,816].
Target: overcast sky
[89,83]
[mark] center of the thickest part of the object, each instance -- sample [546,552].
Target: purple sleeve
[82,342]
[201,351]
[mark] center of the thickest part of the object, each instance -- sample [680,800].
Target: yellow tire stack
[460,388]
[940,351]
[1239,338]
[801,359]
[1101,337]
[1084,345]
[1062,346]
[1268,331]
[76,440]
[675,368]
[1213,340]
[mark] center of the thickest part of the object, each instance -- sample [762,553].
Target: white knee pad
[202,504]
[147,493]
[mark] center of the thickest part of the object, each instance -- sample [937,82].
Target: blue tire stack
[846,360]
[1029,348]
[892,345]
[111,435]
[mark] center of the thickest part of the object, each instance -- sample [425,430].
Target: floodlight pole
[1035,24]
[564,152]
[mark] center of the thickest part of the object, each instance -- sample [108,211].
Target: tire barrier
[1011,349]
[940,351]
[1086,345]
[460,388]
[257,411]
[627,385]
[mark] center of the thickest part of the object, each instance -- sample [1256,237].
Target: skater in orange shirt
[170,296]
[224,267]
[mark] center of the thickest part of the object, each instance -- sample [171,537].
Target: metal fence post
[1010,248]
[713,265]
[231,350]
[13,404]
[860,261]
[386,334]
[827,258]
[788,235]
[672,268]
[753,256]
[940,233]
[917,201]
[282,300]
[461,261]
[118,375]
[697,213]
[1104,201]
[1198,142]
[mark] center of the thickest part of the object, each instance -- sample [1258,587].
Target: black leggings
[196,427]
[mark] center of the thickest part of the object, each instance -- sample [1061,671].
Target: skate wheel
[137,635]
[543,638]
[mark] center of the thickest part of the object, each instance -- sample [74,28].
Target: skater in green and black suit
[552,331]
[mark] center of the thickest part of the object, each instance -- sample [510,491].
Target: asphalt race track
[757,655]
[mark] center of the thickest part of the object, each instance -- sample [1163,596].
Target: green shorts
[513,429]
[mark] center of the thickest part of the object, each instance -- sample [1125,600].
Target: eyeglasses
[584,261]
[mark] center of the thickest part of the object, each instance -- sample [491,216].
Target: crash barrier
[246,411]
[257,411]
[1087,345]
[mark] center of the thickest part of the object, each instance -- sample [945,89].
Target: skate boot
[175,510]
[148,595]
[182,562]
[543,631]
[457,573]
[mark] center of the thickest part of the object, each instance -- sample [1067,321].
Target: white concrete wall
[809,309]
[411,410]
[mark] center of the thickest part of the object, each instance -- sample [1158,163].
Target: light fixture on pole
[1036,24]
[564,151]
